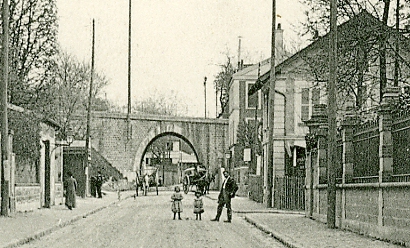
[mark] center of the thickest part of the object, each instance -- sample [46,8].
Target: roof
[43,119]
[360,22]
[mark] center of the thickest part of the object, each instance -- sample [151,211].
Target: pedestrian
[98,183]
[198,205]
[177,202]
[70,186]
[93,186]
[227,192]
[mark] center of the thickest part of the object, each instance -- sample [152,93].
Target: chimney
[279,43]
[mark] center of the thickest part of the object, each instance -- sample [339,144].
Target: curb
[60,225]
[289,242]
[260,211]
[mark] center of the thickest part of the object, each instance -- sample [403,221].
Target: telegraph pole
[5,165]
[88,136]
[332,156]
[205,94]
[271,115]
[129,72]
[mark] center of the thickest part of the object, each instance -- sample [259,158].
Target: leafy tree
[33,44]
[221,84]
[246,139]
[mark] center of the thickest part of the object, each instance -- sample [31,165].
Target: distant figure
[145,183]
[177,202]
[159,181]
[198,205]
[70,186]
[93,186]
[228,192]
[98,183]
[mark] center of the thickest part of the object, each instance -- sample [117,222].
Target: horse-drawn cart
[146,179]
[198,177]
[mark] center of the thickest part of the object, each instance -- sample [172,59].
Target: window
[252,100]
[308,101]
[305,104]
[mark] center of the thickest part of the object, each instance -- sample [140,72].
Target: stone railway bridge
[124,144]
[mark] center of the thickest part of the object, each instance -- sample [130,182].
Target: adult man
[99,183]
[228,192]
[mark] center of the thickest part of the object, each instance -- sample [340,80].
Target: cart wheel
[185,184]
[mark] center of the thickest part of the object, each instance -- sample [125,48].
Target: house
[301,84]
[245,114]
[36,163]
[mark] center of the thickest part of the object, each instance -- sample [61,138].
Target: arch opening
[168,154]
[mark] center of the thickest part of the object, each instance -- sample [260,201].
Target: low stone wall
[27,192]
[376,210]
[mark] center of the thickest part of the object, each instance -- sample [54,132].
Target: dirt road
[147,222]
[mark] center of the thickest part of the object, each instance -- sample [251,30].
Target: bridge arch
[137,165]
[122,140]
[161,129]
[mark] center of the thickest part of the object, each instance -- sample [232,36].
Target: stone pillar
[317,149]
[390,96]
[348,151]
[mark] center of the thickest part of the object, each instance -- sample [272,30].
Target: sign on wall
[247,154]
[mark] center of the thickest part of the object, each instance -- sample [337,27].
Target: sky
[175,43]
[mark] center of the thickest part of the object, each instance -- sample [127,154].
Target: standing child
[198,205]
[177,202]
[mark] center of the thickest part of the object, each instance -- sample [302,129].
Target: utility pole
[332,156]
[129,72]
[205,94]
[271,115]
[5,165]
[88,136]
[255,143]
[397,46]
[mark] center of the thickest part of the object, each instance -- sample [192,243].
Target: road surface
[147,222]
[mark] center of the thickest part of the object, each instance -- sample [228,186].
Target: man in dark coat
[70,186]
[228,192]
[99,182]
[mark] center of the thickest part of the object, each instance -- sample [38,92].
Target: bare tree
[221,84]
[67,98]
[160,104]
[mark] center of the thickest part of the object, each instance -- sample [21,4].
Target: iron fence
[289,193]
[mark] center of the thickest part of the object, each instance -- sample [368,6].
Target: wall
[379,209]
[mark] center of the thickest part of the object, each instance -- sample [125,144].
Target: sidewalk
[31,222]
[296,231]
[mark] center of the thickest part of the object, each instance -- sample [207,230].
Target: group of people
[228,191]
[70,188]
[96,183]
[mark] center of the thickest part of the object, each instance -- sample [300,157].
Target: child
[198,205]
[177,202]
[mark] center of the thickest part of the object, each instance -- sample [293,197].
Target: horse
[204,182]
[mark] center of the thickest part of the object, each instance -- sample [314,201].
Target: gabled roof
[358,23]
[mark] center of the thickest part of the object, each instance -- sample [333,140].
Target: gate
[289,193]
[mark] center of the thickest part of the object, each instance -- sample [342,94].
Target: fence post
[348,150]
[390,96]
[348,124]
[316,143]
